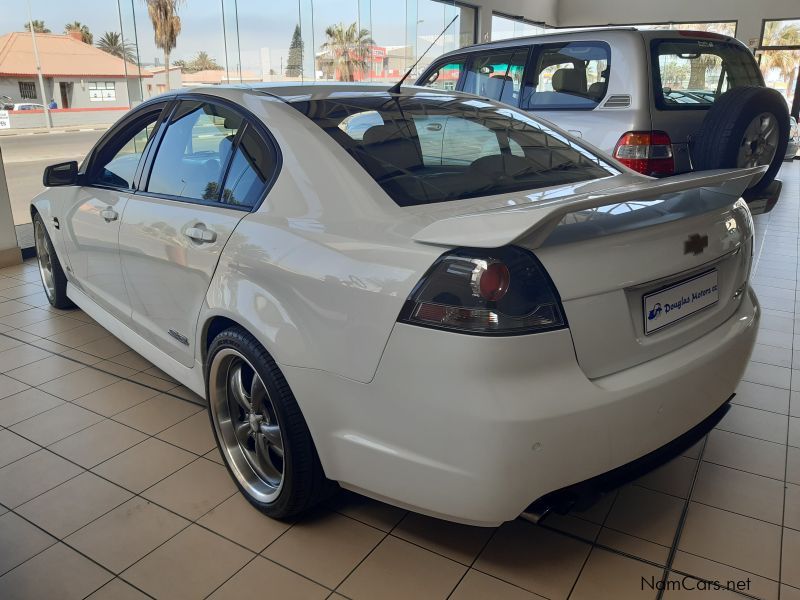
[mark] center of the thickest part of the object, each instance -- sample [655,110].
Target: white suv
[662,102]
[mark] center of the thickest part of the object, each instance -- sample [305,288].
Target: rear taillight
[648,152]
[500,291]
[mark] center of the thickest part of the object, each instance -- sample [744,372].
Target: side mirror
[61,174]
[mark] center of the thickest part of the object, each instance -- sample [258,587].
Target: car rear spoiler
[535,221]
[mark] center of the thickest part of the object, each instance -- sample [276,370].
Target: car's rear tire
[262,435]
[54,280]
[746,126]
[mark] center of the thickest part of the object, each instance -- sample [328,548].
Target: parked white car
[455,308]
[27,106]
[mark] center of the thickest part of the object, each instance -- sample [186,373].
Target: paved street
[26,156]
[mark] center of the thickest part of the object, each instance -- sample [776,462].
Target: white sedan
[426,297]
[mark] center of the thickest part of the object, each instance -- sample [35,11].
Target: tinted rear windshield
[692,73]
[430,148]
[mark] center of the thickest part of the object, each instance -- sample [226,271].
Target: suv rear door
[690,71]
[564,81]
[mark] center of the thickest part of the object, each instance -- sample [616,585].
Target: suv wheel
[747,126]
[261,433]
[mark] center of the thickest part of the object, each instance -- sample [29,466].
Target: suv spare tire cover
[746,126]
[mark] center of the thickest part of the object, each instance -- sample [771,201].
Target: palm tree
[166,27]
[86,35]
[780,33]
[348,48]
[38,26]
[203,62]
[113,43]
[699,66]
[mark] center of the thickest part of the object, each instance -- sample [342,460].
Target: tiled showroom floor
[111,487]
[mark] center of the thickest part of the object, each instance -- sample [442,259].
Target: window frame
[658,88]
[248,121]
[27,85]
[511,49]
[530,68]
[129,121]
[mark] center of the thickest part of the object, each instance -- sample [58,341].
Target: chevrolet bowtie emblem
[695,244]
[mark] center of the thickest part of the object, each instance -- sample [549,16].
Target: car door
[210,169]
[565,82]
[91,223]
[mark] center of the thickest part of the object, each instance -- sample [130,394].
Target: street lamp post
[48,118]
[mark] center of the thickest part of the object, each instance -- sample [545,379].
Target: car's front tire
[261,433]
[54,280]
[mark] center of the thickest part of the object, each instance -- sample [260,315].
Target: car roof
[585,33]
[302,91]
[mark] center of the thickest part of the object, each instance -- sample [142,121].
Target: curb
[48,132]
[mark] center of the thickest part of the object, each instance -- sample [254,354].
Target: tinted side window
[117,161]
[572,75]
[194,151]
[497,75]
[252,166]
[445,76]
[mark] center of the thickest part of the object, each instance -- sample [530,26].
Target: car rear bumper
[474,429]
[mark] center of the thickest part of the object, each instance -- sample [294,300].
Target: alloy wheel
[45,260]
[759,142]
[247,425]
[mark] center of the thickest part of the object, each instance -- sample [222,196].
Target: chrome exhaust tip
[537,511]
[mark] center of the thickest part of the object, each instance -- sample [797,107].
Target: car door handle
[109,214]
[201,234]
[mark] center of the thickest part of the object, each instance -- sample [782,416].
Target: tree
[201,62]
[700,66]
[38,26]
[166,27]
[113,43]
[294,63]
[348,48]
[86,35]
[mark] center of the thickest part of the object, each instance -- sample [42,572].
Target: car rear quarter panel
[320,272]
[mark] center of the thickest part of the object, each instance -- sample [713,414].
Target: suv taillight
[500,291]
[648,152]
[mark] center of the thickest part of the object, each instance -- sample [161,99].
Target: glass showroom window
[432,18]
[274,45]
[218,42]
[779,59]
[504,27]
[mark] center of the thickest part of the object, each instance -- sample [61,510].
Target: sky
[261,24]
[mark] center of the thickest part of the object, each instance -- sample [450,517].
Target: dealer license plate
[678,301]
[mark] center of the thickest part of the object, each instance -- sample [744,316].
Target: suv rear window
[429,148]
[693,73]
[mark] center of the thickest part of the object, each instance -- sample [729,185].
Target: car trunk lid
[681,245]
